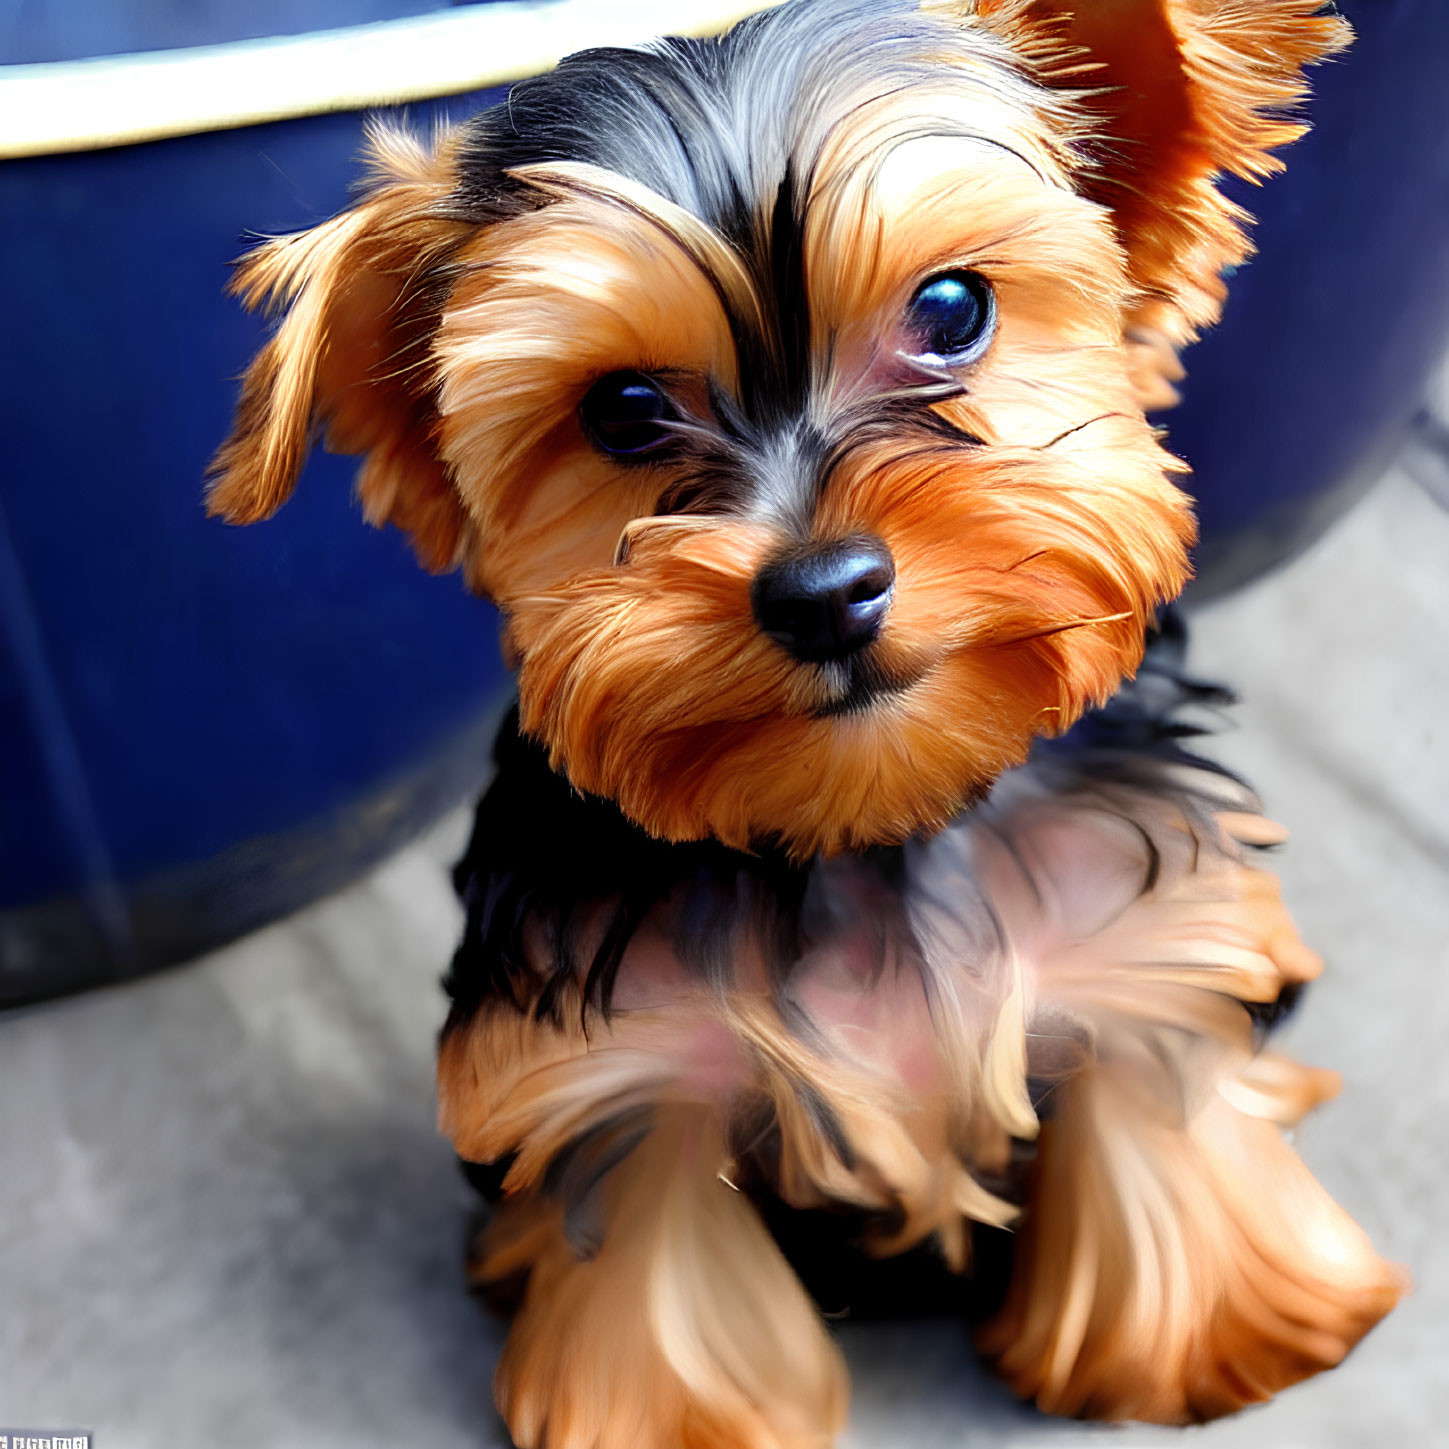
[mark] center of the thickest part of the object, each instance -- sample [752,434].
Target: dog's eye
[626,413]
[951,314]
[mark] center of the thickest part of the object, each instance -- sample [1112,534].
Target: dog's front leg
[1177,1259]
[683,1328]
[656,1311]
[1174,1271]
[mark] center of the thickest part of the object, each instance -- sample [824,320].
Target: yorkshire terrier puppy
[786,392]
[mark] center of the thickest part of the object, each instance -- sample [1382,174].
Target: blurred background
[225,1217]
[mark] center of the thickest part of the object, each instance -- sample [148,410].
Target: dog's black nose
[828,601]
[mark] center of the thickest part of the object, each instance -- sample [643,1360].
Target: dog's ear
[1174,93]
[360,298]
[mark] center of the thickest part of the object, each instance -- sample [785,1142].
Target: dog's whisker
[1028,558]
[1081,427]
[1046,630]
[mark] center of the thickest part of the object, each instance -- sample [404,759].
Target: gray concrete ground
[225,1219]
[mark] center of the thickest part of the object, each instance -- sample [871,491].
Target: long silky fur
[944,936]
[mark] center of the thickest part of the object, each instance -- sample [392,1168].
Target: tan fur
[687,1330]
[1177,1271]
[1177,1260]
[348,354]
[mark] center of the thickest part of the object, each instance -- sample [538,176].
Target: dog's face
[786,392]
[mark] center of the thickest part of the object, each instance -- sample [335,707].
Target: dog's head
[786,390]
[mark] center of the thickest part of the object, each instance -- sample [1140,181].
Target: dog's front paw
[1175,1272]
[685,1329]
